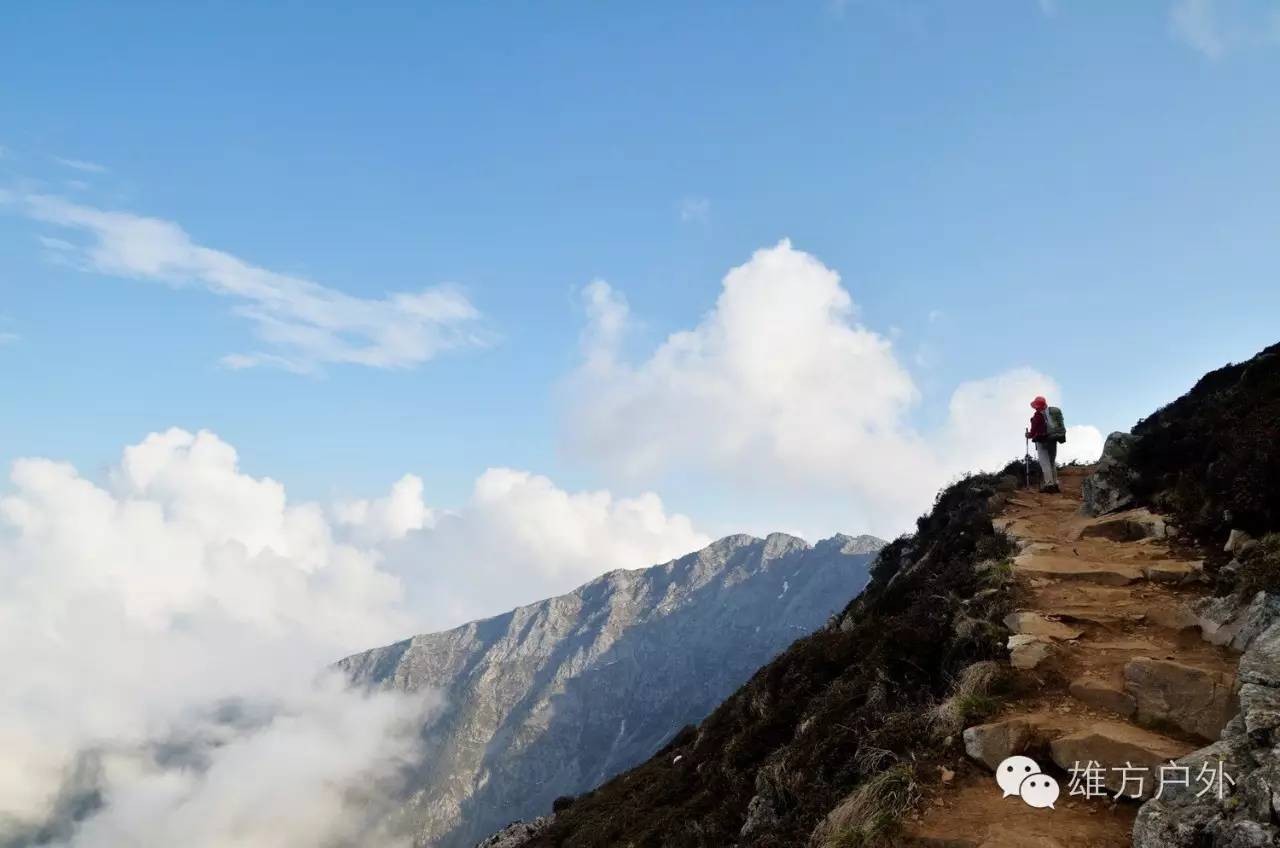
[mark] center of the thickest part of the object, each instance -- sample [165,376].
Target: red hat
[1039,403]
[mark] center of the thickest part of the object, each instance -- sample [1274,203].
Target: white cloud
[162,631]
[1217,27]
[779,387]
[520,538]
[392,517]
[132,610]
[306,324]
[1196,23]
[81,165]
[695,209]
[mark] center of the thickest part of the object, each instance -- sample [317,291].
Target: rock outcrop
[1233,799]
[1102,695]
[1115,746]
[991,743]
[1198,701]
[1110,487]
[554,698]
[517,834]
[1131,526]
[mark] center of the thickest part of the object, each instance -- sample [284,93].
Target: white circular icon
[1039,790]
[1014,770]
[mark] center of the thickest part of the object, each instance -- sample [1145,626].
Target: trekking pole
[1026,460]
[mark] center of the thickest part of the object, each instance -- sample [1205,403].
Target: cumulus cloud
[781,386]
[306,325]
[391,517]
[163,631]
[520,537]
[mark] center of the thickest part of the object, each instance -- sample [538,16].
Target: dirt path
[1113,670]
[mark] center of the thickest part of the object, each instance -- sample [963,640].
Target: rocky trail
[1111,666]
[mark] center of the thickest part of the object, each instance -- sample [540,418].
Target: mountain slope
[858,727]
[843,707]
[555,697]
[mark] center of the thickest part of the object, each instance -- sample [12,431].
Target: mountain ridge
[551,698]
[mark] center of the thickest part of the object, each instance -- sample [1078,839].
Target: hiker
[1047,431]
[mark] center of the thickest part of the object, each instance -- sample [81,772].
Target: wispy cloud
[81,165]
[695,209]
[304,324]
[1214,28]
[1195,22]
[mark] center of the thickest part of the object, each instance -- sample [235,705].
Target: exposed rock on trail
[1110,487]
[1125,680]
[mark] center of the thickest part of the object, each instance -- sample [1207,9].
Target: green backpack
[1055,426]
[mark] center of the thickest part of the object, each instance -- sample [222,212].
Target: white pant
[1048,453]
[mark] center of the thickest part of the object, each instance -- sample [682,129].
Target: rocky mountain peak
[554,697]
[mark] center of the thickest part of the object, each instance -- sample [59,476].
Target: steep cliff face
[553,698]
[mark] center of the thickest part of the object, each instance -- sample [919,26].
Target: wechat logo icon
[1021,776]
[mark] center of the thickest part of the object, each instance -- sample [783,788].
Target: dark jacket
[1039,427]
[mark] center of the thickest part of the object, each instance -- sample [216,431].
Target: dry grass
[870,813]
[970,702]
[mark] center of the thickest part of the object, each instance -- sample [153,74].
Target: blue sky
[1085,190]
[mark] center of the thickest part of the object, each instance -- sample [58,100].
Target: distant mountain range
[552,698]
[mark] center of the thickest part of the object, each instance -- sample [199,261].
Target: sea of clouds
[166,625]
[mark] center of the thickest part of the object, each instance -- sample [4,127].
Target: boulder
[1261,661]
[1260,712]
[1180,818]
[1114,745]
[1027,652]
[1263,610]
[1245,833]
[992,743]
[517,833]
[1236,540]
[760,816]
[1034,624]
[1249,751]
[762,809]
[1173,572]
[1194,699]
[1102,695]
[1130,526]
[1110,487]
[1218,624]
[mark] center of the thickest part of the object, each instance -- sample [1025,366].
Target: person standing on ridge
[1047,430]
